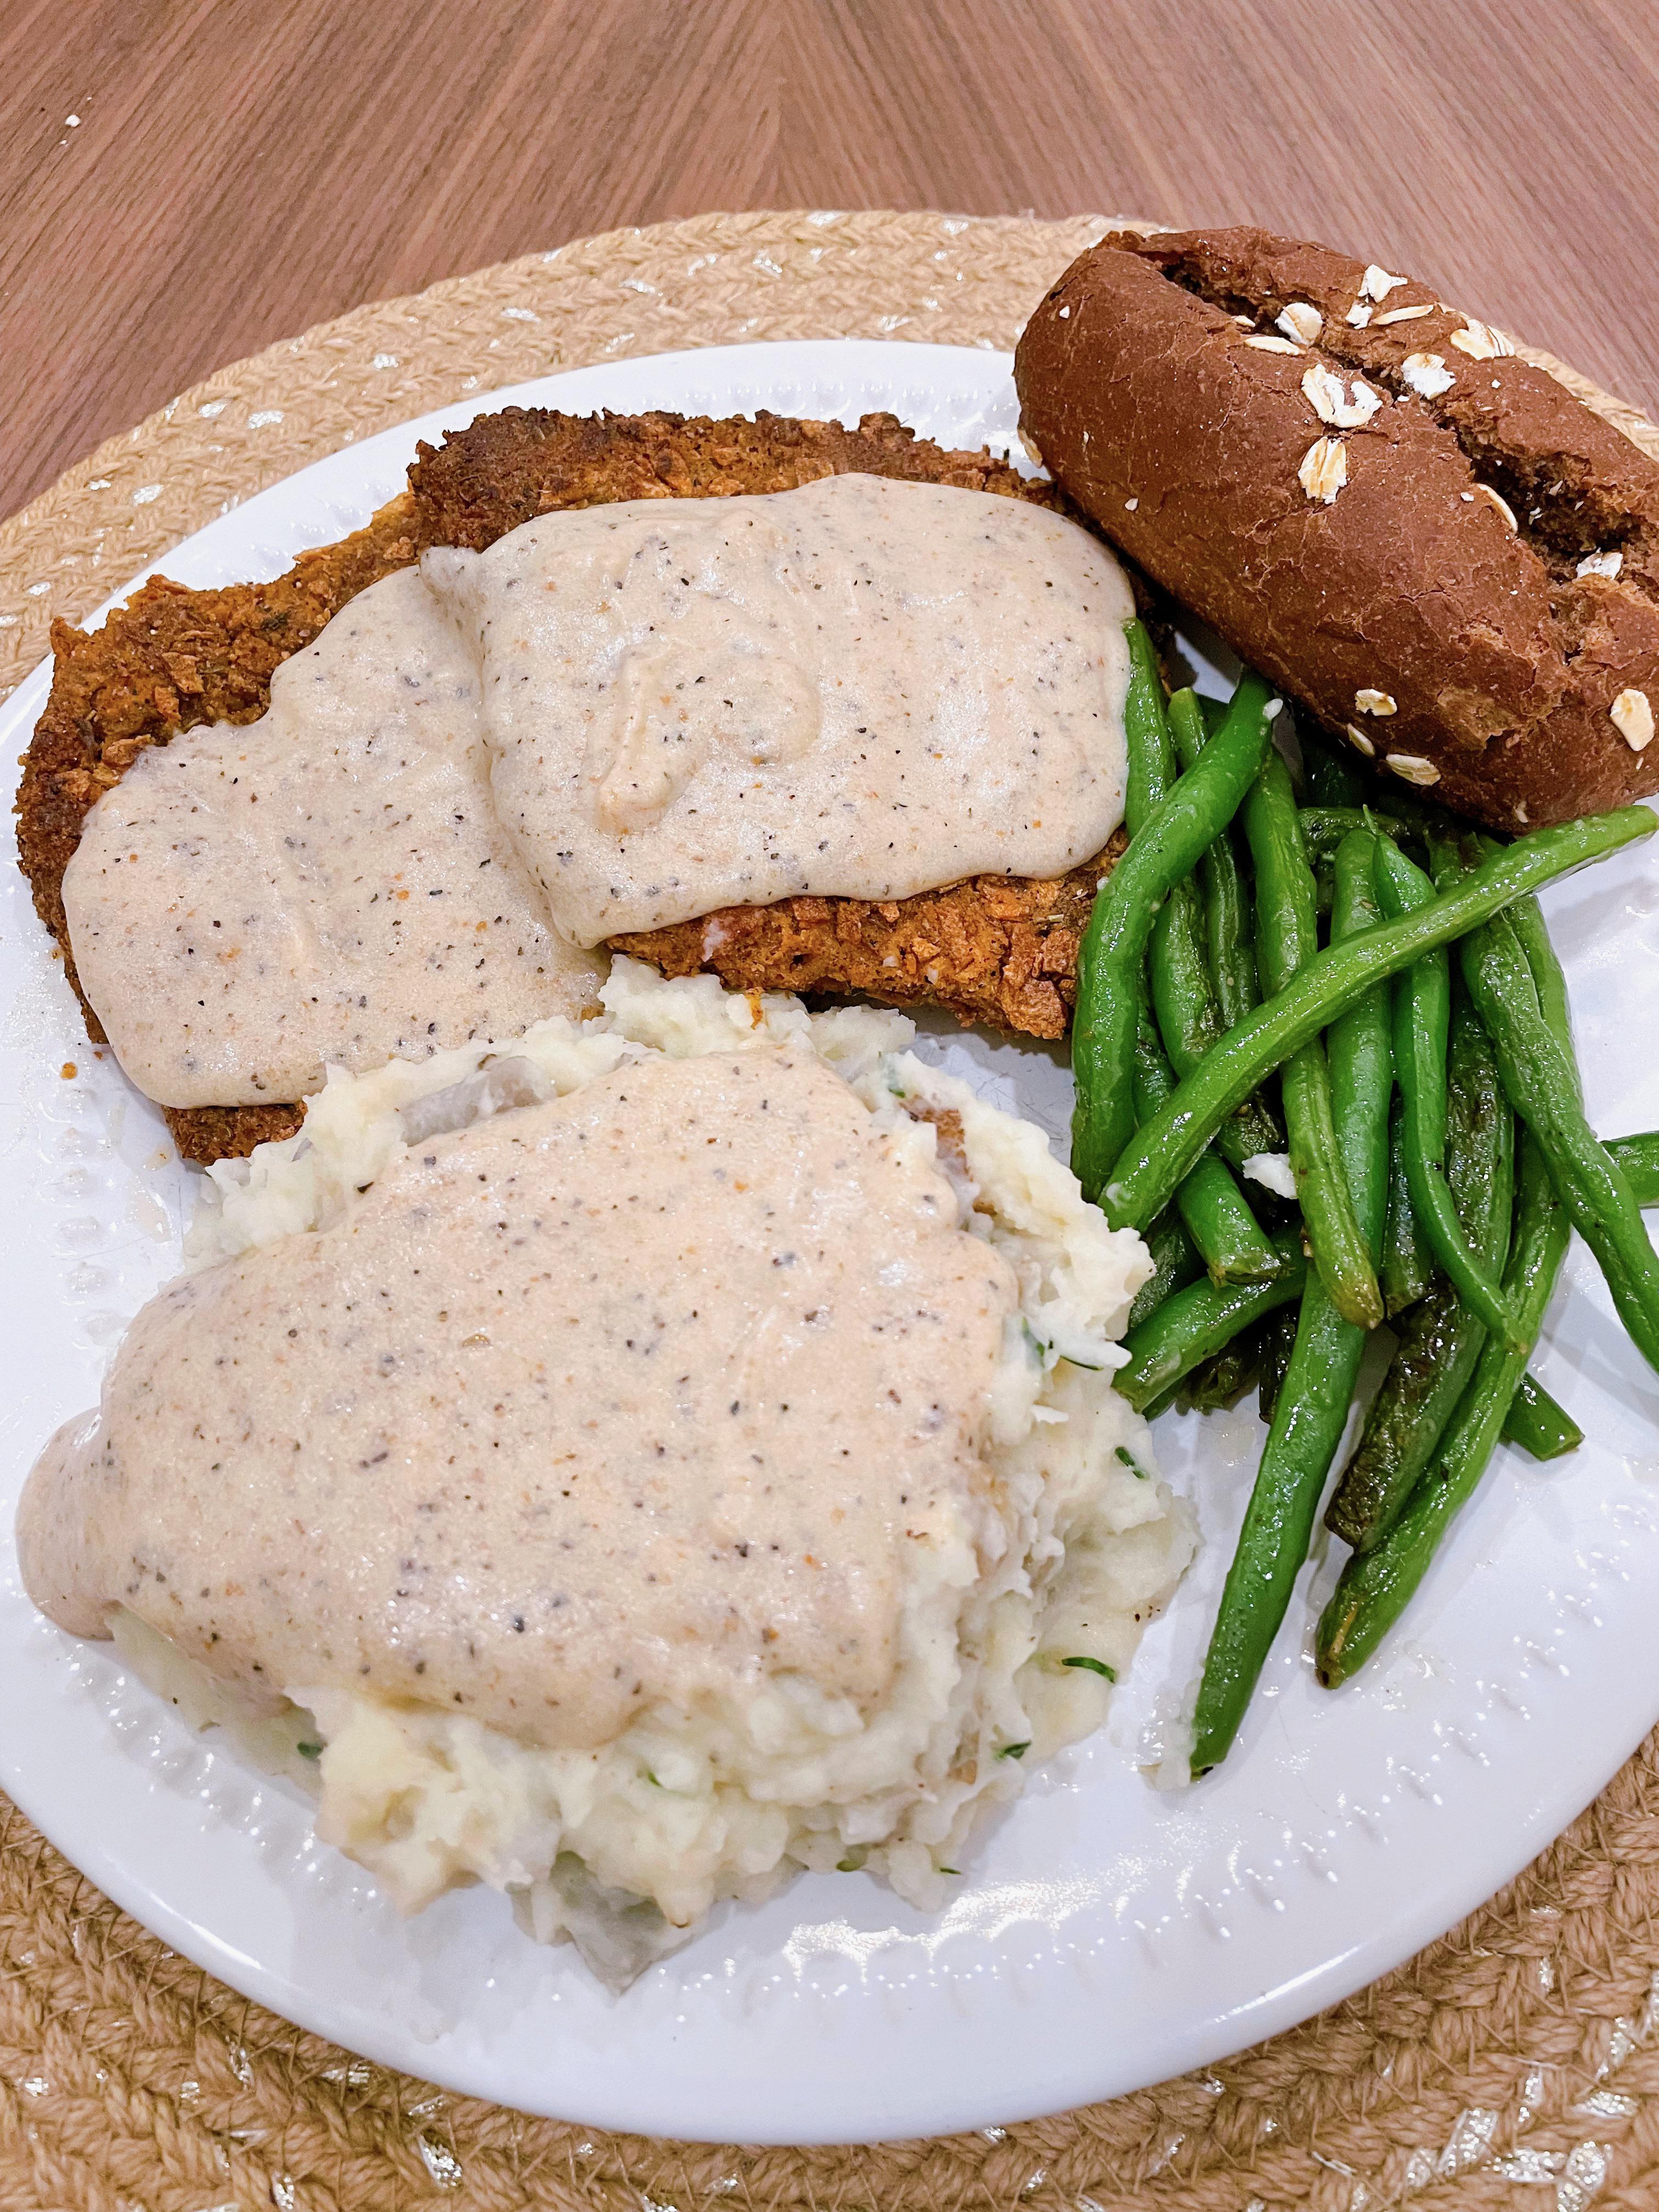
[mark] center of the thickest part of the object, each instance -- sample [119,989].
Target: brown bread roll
[1425,540]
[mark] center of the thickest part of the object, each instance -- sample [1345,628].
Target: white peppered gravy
[329,884]
[862,689]
[616,719]
[638,1395]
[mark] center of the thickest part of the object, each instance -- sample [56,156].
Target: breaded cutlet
[992,949]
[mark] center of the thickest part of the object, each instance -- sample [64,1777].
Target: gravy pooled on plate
[863,689]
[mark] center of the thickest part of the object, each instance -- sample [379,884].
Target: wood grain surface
[242,168]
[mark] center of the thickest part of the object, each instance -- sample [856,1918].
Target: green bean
[1175,1264]
[1161,852]
[1228,937]
[1527,920]
[1453,855]
[1154,1160]
[1534,1422]
[1422,1016]
[1222,1379]
[1540,1076]
[1439,1342]
[1189,1013]
[1323,827]
[1376,1586]
[1152,761]
[1538,1424]
[1278,1334]
[1230,941]
[1331,780]
[1312,1405]
[1440,1339]
[1358,1047]
[1198,1320]
[1287,939]
[1216,1215]
[1183,996]
[1405,1275]
[1639,1158]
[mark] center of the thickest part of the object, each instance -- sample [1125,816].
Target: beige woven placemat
[1516,2063]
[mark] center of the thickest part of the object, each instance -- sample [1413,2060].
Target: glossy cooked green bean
[1422,1016]
[1537,1424]
[1359,1051]
[1323,827]
[1453,855]
[1230,939]
[1534,1422]
[1527,920]
[1229,932]
[1175,1264]
[1286,940]
[1440,1339]
[1164,850]
[1541,1077]
[1639,1156]
[1183,995]
[1198,1320]
[1311,1410]
[1406,1275]
[1217,1217]
[1331,780]
[1189,1013]
[1150,766]
[1222,1379]
[1278,1334]
[1375,1586]
[1153,1161]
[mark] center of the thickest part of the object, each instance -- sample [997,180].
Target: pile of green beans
[1224,1232]
[1434,1126]
[1139,1180]
[1422,998]
[1287,940]
[1440,1338]
[1162,849]
[1312,1406]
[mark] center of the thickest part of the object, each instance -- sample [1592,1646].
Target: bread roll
[1425,540]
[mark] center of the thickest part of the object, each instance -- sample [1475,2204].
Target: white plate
[1105,1936]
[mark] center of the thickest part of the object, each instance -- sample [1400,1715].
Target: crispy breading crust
[999,950]
[992,949]
[506,469]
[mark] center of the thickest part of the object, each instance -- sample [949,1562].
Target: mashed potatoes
[837,1662]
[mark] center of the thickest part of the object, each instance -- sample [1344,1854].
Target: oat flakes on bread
[991,949]
[1425,540]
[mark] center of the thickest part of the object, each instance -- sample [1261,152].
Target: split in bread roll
[1425,540]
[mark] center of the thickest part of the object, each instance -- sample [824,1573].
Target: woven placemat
[1516,2063]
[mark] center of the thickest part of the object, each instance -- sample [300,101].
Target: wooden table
[182,181]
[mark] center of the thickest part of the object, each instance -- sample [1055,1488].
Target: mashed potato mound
[1005,1652]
